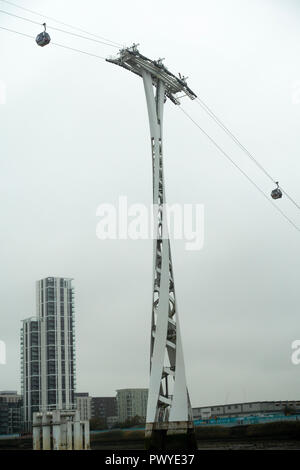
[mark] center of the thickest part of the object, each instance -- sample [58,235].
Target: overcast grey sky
[74,134]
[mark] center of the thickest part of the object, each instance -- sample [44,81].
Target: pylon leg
[169,415]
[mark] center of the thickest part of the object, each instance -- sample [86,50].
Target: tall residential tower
[30,369]
[48,350]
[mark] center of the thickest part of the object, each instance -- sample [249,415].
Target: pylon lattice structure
[168,410]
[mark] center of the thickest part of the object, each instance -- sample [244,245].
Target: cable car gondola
[276,193]
[43,38]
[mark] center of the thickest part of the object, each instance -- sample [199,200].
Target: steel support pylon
[168,411]
[168,400]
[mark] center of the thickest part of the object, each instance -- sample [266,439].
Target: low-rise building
[132,402]
[104,407]
[257,408]
[83,405]
[10,412]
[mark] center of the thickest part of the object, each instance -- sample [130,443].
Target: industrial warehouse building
[256,408]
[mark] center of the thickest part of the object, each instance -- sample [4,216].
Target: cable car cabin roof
[132,60]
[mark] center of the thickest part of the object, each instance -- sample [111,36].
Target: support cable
[240,169]
[209,111]
[58,29]
[54,43]
[199,127]
[61,22]
[198,100]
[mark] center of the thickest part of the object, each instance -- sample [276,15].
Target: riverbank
[269,436]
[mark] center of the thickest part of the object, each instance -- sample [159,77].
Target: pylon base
[170,436]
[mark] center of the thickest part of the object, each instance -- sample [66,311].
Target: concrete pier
[60,430]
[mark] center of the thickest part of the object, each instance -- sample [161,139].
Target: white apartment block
[48,350]
[83,405]
[132,402]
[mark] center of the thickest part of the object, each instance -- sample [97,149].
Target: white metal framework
[168,400]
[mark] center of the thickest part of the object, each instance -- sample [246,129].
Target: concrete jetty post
[86,425]
[69,435]
[77,432]
[56,430]
[36,432]
[46,431]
